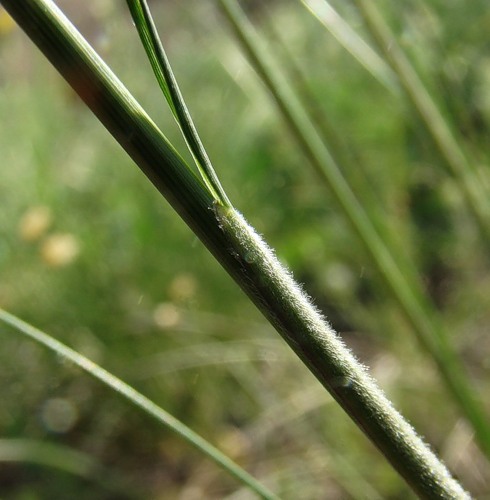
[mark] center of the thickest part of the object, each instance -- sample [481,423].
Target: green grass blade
[163,71]
[140,401]
[446,144]
[296,75]
[412,301]
[342,149]
[65,459]
[353,43]
[49,455]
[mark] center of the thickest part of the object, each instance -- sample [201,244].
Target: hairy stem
[238,249]
[402,281]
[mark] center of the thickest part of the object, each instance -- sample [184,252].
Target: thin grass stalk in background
[297,77]
[344,154]
[140,401]
[408,292]
[353,43]
[49,455]
[237,248]
[446,144]
[66,459]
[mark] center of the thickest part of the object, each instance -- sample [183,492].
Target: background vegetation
[91,254]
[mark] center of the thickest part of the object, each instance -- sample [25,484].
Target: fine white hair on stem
[307,331]
[254,253]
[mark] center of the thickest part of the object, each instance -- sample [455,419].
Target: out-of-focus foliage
[91,253]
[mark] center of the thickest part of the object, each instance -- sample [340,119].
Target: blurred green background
[91,253]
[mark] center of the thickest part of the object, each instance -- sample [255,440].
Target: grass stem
[140,401]
[168,83]
[238,249]
[407,290]
[446,144]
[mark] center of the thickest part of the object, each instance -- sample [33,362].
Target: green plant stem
[447,146]
[353,43]
[168,83]
[140,401]
[295,74]
[406,289]
[238,249]
[343,153]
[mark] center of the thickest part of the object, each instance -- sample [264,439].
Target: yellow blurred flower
[166,315]
[60,249]
[183,287]
[234,443]
[34,223]
[7,24]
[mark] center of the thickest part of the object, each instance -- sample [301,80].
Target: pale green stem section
[406,289]
[443,138]
[343,153]
[352,42]
[140,401]
[168,83]
[317,344]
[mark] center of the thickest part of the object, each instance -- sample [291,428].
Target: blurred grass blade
[48,454]
[446,144]
[342,148]
[407,291]
[206,354]
[296,75]
[63,458]
[161,67]
[352,42]
[140,401]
